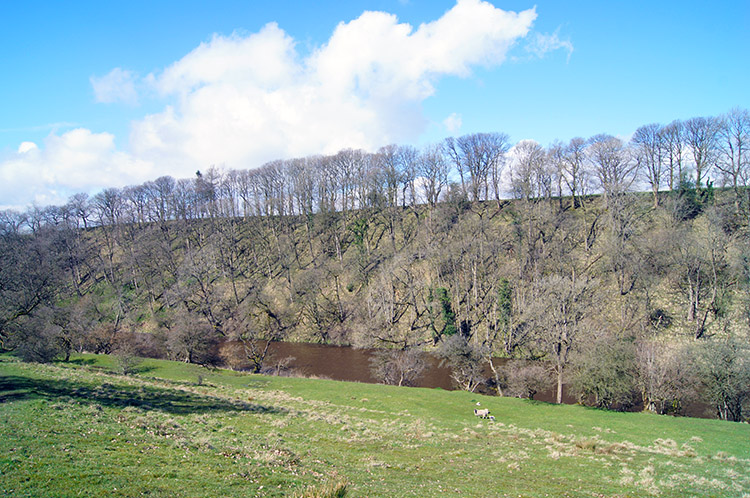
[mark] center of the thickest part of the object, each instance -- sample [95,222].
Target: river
[349,364]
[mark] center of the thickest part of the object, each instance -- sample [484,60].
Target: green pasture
[173,430]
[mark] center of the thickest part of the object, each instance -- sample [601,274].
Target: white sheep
[482,413]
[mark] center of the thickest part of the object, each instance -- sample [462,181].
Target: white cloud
[246,100]
[26,147]
[75,161]
[541,44]
[116,86]
[453,122]
[241,100]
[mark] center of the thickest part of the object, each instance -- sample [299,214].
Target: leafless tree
[479,160]
[699,270]
[560,308]
[530,175]
[648,154]
[400,367]
[673,143]
[81,207]
[433,170]
[572,164]
[663,375]
[701,138]
[527,379]
[723,368]
[734,141]
[465,361]
[613,166]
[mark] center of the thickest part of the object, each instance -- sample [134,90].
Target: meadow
[78,428]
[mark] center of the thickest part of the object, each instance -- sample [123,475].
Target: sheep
[485,413]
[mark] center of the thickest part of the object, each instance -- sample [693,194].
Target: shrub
[603,375]
[126,359]
[397,367]
[527,379]
[465,360]
[723,367]
[37,339]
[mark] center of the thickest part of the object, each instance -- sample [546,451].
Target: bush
[37,339]
[397,367]
[40,346]
[527,379]
[193,340]
[664,376]
[126,359]
[603,375]
[723,367]
[465,360]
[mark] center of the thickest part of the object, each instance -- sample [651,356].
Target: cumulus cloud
[241,100]
[75,161]
[244,100]
[116,86]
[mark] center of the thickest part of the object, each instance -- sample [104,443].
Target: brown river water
[353,365]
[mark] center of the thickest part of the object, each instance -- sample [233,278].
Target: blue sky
[98,94]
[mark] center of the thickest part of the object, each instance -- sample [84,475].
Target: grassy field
[78,429]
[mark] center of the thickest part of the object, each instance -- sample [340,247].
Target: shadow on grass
[80,361]
[174,401]
[142,369]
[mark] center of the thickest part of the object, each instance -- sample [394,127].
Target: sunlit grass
[76,429]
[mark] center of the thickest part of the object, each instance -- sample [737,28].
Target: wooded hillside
[407,249]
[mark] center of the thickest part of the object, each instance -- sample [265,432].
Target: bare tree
[673,143]
[701,138]
[389,164]
[480,156]
[648,154]
[700,270]
[433,169]
[723,366]
[530,176]
[29,280]
[400,367]
[408,160]
[614,168]
[526,379]
[560,307]
[81,207]
[465,361]
[616,172]
[734,140]
[603,372]
[663,376]
[571,161]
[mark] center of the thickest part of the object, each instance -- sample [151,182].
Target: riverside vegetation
[624,267]
[180,430]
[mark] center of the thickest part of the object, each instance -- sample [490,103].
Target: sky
[107,94]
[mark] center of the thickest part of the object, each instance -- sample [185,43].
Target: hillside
[618,293]
[181,430]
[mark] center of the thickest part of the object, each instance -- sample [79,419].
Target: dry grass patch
[332,489]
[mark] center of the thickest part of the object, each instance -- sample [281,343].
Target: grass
[79,429]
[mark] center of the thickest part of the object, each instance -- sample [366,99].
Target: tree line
[624,265]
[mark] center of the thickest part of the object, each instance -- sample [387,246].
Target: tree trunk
[496,374]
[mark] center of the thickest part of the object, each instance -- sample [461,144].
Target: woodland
[621,268]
